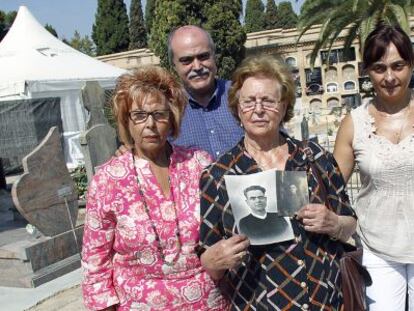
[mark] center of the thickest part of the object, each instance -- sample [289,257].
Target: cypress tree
[168,15]
[110,30]
[149,14]
[6,20]
[220,18]
[271,15]
[254,18]
[137,31]
[52,30]
[286,17]
[223,23]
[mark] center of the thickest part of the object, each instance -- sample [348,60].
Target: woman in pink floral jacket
[142,216]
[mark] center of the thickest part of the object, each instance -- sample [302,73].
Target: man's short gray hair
[171,36]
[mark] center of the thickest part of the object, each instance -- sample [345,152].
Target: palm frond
[400,16]
[368,25]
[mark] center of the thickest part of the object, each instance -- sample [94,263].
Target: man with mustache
[207,123]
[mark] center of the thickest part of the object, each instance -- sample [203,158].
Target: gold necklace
[157,237]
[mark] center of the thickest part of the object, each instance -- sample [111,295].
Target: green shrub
[81,180]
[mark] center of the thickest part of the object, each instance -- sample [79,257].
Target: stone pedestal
[31,260]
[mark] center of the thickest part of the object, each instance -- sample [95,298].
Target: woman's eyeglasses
[267,104]
[140,116]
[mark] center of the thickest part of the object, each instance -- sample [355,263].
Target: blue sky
[66,16]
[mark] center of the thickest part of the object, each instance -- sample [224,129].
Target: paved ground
[61,294]
[67,300]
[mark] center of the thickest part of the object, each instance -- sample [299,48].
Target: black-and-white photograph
[292,192]
[255,208]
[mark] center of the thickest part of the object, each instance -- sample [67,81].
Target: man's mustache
[198,73]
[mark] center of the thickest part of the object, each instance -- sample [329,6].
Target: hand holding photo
[255,208]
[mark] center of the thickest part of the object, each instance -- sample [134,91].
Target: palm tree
[361,16]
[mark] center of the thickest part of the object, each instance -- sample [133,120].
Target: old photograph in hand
[263,203]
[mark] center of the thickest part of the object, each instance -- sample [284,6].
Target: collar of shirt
[212,104]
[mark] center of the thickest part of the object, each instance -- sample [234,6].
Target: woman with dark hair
[142,212]
[300,273]
[379,137]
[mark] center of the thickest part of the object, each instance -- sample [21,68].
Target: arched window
[331,74]
[332,87]
[333,102]
[349,85]
[291,61]
[315,106]
[348,73]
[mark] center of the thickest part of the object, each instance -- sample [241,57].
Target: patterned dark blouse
[301,274]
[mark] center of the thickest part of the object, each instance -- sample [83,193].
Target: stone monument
[45,195]
[99,140]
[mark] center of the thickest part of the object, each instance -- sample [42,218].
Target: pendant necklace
[407,112]
[157,237]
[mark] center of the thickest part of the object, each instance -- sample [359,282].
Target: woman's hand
[319,219]
[224,255]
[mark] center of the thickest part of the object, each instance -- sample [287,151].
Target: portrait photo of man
[261,226]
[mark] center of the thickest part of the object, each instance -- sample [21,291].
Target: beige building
[324,93]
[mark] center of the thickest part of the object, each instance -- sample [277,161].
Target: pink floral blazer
[121,261]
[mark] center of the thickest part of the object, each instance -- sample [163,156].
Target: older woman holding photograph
[379,137]
[301,273]
[142,214]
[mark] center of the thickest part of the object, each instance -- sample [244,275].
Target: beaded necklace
[157,237]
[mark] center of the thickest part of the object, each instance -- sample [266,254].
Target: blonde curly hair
[137,86]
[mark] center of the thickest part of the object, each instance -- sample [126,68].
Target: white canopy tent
[35,64]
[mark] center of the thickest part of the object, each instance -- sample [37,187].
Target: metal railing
[354,185]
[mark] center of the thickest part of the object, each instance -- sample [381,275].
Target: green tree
[286,17]
[270,17]
[137,31]
[223,23]
[254,18]
[110,30]
[2,24]
[6,20]
[220,18]
[52,30]
[361,16]
[149,14]
[82,44]
[168,15]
